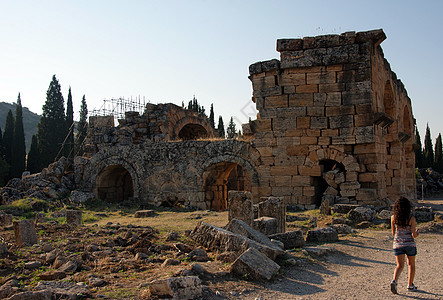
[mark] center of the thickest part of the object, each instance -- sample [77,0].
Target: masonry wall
[321,107]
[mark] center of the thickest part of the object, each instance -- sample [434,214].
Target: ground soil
[359,266]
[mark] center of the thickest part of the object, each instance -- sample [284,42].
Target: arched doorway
[219,179]
[192,132]
[114,184]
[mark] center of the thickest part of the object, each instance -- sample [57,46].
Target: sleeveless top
[403,237]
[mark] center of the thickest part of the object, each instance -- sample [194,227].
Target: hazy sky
[168,51]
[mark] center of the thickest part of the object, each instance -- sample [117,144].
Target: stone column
[25,234]
[273,207]
[240,206]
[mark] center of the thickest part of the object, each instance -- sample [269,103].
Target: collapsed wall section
[319,113]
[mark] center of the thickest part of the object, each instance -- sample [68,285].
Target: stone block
[185,287]
[301,99]
[322,235]
[255,265]
[306,88]
[331,87]
[344,208]
[25,234]
[290,239]
[341,121]
[240,206]
[316,111]
[320,78]
[276,101]
[292,79]
[218,239]
[356,97]
[240,227]
[266,225]
[74,217]
[273,207]
[319,122]
[361,213]
[333,99]
[145,213]
[3,249]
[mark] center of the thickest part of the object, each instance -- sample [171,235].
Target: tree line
[428,156]
[55,135]
[231,131]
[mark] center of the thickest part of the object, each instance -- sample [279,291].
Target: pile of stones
[429,181]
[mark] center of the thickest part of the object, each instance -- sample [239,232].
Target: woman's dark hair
[402,212]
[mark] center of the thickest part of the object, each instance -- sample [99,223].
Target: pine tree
[82,127]
[438,164]
[8,137]
[418,150]
[231,131]
[33,164]
[18,162]
[69,144]
[52,126]
[221,127]
[428,151]
[211,116]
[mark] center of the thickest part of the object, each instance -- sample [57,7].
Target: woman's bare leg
[411,274]
[400,264]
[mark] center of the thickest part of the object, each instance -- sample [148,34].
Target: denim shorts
[408,250]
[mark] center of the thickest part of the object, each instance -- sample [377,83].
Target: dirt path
[361,268]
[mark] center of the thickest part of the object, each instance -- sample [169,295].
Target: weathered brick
[297,100]
[308,140]
[292,79]
[307,88]
[329,132]
[333,99]
[319,99]
[297,150]
[303,122]
[276,101]
[284,170]
[306,171]
[331,87]
[341,121]
[319,122]
[261,125]
[320,78]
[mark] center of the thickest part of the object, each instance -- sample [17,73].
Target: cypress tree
[18,143]
[438,165]
[52,126]
[4,168]
[69,144]
[8,136]
[231,131]
[2,150]
[418,150]
[428,151]
[33,164]
[82,126]
[211,116]
[221,127]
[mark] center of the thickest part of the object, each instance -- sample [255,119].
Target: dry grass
[167,220]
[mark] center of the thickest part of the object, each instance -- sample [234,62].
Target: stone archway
[192,132]
[114,184]
[219,179]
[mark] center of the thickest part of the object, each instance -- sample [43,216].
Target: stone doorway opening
[221,178]
[192,132]
[114,184]
[328,184]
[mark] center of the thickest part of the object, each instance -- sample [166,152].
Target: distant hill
[30,121]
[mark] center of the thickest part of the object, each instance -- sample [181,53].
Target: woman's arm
[414,229]
[392,225]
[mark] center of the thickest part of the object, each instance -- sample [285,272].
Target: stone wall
[334,123]
[332,102]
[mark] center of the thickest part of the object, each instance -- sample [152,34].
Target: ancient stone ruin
[334,123]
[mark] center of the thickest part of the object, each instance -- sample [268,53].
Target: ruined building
[333,121]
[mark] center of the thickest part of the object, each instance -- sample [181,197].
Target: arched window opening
[114,184]
[192,132]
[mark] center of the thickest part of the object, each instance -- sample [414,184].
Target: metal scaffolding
[118,107]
